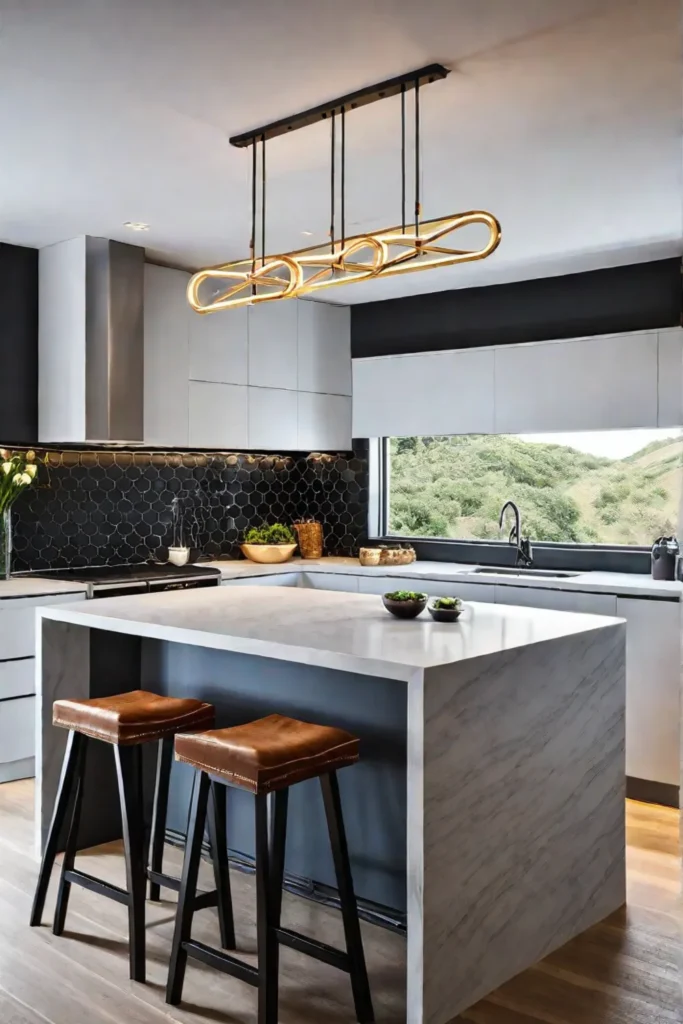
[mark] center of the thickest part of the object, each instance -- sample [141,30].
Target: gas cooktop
[135,578]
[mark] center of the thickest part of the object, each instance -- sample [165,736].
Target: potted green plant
[269,544]
[445,609]
[17,472]
[405,604]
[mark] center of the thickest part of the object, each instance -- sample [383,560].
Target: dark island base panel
[373,791]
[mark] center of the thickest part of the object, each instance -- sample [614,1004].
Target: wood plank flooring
[627,970]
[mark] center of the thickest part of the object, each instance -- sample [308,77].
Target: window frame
[548,554]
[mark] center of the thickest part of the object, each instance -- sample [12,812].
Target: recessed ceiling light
[307,233]
[136,225]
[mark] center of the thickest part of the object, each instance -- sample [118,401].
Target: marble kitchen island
[489,802]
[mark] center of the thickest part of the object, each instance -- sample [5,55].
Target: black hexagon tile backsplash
[113,507]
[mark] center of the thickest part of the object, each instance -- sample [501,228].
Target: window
[619,487]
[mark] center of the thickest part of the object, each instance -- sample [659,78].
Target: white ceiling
[562,117]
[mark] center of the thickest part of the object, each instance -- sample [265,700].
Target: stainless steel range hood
[91,342]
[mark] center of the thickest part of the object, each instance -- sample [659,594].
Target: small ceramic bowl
[179,556]
[445,614]
[405,609]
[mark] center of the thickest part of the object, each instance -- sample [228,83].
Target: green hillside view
[456,486]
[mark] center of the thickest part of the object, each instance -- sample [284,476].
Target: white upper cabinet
[671,377]
[600,383]
[219,346]
[167,367]
[273,345]
[430,393]
[273,416]
[324,348]
[324,422]
[218,415]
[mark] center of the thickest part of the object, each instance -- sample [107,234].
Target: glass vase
[5,544]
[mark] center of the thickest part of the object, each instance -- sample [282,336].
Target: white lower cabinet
[653,674]
[18,624]
[17,738]
[348,584]
[17,678]
[435,588]
[277,579]
[558,600]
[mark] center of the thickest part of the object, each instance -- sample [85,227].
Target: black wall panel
[632,298]
[18,344]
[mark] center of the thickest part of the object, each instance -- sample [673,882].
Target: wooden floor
[624,971]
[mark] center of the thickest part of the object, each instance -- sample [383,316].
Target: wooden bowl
[405,609]
[268,554]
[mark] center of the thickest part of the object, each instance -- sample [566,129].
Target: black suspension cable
[417,157]
[343,176]
[263,200]
[403,158]
[252,242]
[332,183]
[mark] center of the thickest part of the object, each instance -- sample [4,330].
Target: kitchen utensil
[665,551]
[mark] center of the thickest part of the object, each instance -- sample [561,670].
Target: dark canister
[665,551]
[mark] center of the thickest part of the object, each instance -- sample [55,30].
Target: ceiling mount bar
[353,100]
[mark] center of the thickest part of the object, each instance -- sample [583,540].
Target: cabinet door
[273,419]
[586,384]
[430,393]
[273,344]
[18,622]
[324,348]
[17,738]
[324,422]
[653,672]
[218,415]
[166,356]
[219,346]
[558,600]
[671,378]
[278,579]
[435,588]
[330,581]
[17,678]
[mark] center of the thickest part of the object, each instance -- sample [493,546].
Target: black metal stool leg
[279,803]
[71,842]
[268,957]
[164,761]
[221,871]
[354,942]
[129,774]
[188,889]
[64,794]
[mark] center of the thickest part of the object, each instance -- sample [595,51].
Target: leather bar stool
[266,758]
[126,722]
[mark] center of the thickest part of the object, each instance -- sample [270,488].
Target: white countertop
[622,583]
[30,586]
[350,632]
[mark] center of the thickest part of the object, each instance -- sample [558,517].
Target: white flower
[7,468]
[25,479]
[21,479]
[30,470]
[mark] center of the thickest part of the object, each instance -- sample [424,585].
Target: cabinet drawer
[435,588]
[330,580]
[17,729]
[557,600]
[278,579]
[18,623]
[17,678]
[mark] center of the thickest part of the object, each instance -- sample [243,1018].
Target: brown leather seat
[134,717]
[271,753]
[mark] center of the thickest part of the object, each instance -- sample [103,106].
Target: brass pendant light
[397,250]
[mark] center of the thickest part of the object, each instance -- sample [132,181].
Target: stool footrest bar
[168,881]
[222,962]
[318,950]
[113,892]
[203,900]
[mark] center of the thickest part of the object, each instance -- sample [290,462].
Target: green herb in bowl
[445,609]
[405,604]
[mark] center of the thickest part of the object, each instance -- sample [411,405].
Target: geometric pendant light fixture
[402,249]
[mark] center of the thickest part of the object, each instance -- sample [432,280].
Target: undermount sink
[545,573]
